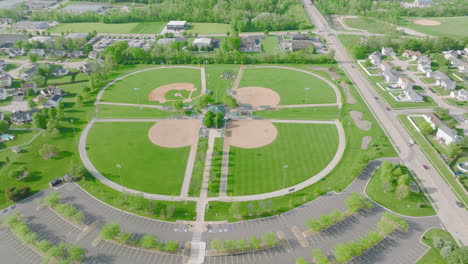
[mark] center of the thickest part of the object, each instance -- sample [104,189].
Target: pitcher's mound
[159,94]
[426,22]
[250,133]
[174,133]
[257,96]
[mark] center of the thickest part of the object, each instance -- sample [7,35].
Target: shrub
[52,199]
[124,237]
[110,231]
[319,257]
[216,244]
[48,151]
[459,256]
[397,221]
[15,194]
[438,243]
[148,241]
[171,246]
[254,242]
[446,251]
[30,238]
[384,227]
[270,239]
[315,225]
[11,221]
[357,201]
[230,245]
[343,252]
[43,245]
[301,261]
[241,244]
[75,253]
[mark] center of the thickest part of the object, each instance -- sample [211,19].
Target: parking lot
[13,250]
[263,256]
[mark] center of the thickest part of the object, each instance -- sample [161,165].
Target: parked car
[459,204]
[55,182]
[426,167]
[388,109]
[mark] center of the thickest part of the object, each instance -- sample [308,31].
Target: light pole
[306,94]
[74,132]
[137,94]
[284,174]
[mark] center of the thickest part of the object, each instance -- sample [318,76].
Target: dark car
[388,109]
[55,182]
[459,204]
[426,167]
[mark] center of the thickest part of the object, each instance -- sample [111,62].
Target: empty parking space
[262,256]
[14,251]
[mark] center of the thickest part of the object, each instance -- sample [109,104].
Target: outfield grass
[215,83]
[270,44]
[305,148]
[123,90]
[145,166]
[123,28]
[118,111]
[408,206]
[432,256]
[449,27]
[369,24]
[290,85]
[198,168]
[215,170]
[67,78]
[21,137]
[436,161]
[301,113]
[209,28]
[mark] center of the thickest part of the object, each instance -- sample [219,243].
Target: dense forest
[391,11]
[243,15]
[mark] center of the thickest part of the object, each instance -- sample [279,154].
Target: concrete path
[189,169]
[134,105]
[224,169]
[203,80]
[238,79]
[303,105]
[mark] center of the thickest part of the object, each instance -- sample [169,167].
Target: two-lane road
[455,219]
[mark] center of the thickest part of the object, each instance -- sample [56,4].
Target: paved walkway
[189,169]
[134,105]
[203,80]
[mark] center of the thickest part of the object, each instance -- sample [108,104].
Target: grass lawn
[428,80]
[408,206]
[12,66]
[303,113]
[454,101]
[290,84]
[369,24]
[432,256]
[449,27]
[198,168]
[123,92]
[215,83]
[270,44]
[440,91]
[215,170]
[145,166]
[21,137]
[123,28]
[118,111]
[436,161]
[67,78]
[431,138]
[305,148]
[209,28]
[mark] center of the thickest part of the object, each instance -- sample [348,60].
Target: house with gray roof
[31,25]
[444,81]
[447,135]
[53,101]
[410,95]
[23,117]
[251,44]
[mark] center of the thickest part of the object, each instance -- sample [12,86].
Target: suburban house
[433,120]
[447,135]
[59,71]
[250,44]
[14,52]
[202,42]
[460,64]
[53,101]
[51,91]
[410,95]
[31,86]
[444,81]
[299,37]
[424,64]
[41,39]
[385,66]
[405,83]
[411,54]
[57,53]
[2,116]
[460,95]
[301,44]
[29,73]
[3,94]
[3,65]
[375,58]
[75,54]
[93,54]
[40,52]
[5,80]
[80,8]
[176,25]
[31,25]
[389,76]
[422,3]
[450,54]
[387,51]
[23,117]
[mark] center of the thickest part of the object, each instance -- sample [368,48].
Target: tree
[438,242]
[77,170]
[48,151]
[426,128]
[219,120]
[75,253]
[204,100]
[344,252]
[443,113]
[229,101]
[357,201]
[3,126]
[270,238]
[33,57]
[110,231]
[216,244]
[404,179]
[148,241]
[124,237]
[15,194]
[178,105]
[241,244]
[39,120]
[60,107]
[459,256]
[18,173]
[31,104]
[446,251]
[403,191]
[319,257]
[208,121]
[463,143]
[39,80]
[79,100]
[171,246]
[254,242]
[453,150]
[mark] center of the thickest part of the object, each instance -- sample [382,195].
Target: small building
[385,66]
[31,25]
[410,95]
[411,54]
[389,76]
[53,101]
[299,37]
[32,86]
[76,54]
[40,52]
[57,53]
[202,42]
[444,81]
[250,44]
[447,136]
[460,95]
[52,90]
[387,51]
[405,83]
[59,71]
[301,44]
[3,65]
[93,54]
[80,8]
[31,72]
[23,117]
[77,36]
[176,25]
[422,3]
[5,81]
[14,52]
[5,20]
[424,64]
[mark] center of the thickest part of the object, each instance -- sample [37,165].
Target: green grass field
[124,28]
[145,166]
[301,113]
[449,27]
[209,28]
[215,83]
[408,206]
[290,85]
[198,168]
[118,111]
[432,256]
[21,137]
[369,24]
[123,90]
[270,44]
[305,148]
[215,170]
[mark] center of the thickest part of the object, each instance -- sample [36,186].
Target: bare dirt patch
[349,97]
[250,133]
[365,142]
[357,118]
[426,22]
[174,133]
[257,96]
[159,94]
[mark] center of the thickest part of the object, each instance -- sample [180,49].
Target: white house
[405,83]
[411,54]
[422,3]
[460,95]
[389,76]
[410,95]
[3,65]
[202,42]
[387,51]
[3,94]
[39,52]
[433,120]
[5,81]
[53,101]
[385,66]
[375,59]
[447,135]
[444,81]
